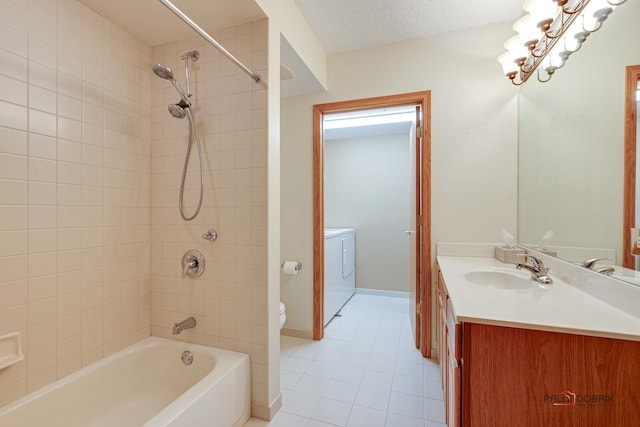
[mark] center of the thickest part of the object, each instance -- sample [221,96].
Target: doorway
[420,288]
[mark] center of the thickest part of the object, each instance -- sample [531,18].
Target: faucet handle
[536,262]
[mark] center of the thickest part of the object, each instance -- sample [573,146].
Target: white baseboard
[378,292]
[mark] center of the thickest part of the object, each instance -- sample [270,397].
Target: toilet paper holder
[298,266]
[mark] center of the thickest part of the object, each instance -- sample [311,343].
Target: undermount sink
[500,278]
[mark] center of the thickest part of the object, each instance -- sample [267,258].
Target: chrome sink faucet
[188,323]
[538,271]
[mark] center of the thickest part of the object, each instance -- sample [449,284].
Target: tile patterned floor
[366,372]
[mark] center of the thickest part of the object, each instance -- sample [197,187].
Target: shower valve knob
[211,235]
[192,264]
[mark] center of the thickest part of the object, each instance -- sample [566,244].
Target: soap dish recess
[10,349]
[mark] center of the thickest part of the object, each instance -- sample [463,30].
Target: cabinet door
[453,328]
[454,350]
[441,328]
[453,388]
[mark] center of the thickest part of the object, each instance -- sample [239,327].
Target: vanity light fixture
[549,32]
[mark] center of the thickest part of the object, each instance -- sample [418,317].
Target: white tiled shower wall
[75,189]
[229,300]
[90,163]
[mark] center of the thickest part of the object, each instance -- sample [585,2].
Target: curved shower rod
[207,37]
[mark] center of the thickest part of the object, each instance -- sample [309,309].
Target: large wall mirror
[572,131]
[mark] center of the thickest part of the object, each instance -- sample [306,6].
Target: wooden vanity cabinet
[504,376]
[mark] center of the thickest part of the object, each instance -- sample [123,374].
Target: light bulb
[527,29]
[508,63]
[541,10]
[515,46]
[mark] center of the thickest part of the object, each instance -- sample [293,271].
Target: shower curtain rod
[207,37]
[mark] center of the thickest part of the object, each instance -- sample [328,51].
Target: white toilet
[283,315]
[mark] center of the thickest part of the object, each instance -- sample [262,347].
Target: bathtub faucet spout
[187,323]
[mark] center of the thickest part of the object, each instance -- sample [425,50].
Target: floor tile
[398,420]
[406,404]
[433,389]
[409,385]
[308,352]
[374,390]
[289,379]
[296,364]
[332,412]
[361,416]
[410,370]
[312,385]
[297,403]
[341,390]
[284,419]
[434,410]
[349,374]
[431,371]
[322,369]
[316,423]
[330,355]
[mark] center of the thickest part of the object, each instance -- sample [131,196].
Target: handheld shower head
[163,71]
[177,110]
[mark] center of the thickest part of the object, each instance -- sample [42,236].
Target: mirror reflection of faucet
[591,265]
[591,262]
[607,271]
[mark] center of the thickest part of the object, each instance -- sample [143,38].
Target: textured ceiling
[343,25]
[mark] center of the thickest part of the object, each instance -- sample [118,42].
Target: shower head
[178,111]
[163,71]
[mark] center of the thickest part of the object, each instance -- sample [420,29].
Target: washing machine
[339,269]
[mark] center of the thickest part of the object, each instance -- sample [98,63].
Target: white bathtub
[146,384]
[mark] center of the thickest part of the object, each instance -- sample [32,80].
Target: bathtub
[146,384]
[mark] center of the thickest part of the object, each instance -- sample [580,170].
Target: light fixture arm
[549,74]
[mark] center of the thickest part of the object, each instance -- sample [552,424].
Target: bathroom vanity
[515,352]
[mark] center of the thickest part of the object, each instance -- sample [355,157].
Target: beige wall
[474,142]
[367,186]
[74,189]
[229,300]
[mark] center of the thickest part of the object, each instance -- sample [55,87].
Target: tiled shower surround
[90,163]
[229,300]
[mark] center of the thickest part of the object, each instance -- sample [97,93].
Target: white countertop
[559,307]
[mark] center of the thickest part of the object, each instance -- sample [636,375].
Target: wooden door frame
[415,98]
[630,129]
